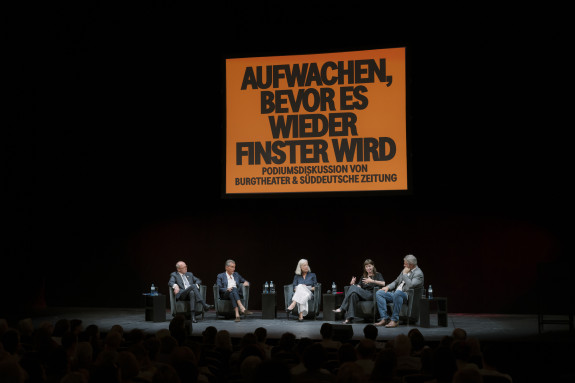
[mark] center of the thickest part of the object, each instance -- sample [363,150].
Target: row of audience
[66,352]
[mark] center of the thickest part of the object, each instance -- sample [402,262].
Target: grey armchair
[410,312]
[313,304]
[365,309]
[183,307]
[224,306]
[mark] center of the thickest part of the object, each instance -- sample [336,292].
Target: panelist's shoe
[392,324]
[382,322]
[194,320]
[247,312]
[209,307]
[237,319]
[337,310]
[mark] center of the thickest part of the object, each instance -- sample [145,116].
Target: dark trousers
[192,293]
[234,296]
[353,295]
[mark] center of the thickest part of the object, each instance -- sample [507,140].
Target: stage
[485,327]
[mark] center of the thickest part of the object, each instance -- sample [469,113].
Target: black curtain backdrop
[113,154]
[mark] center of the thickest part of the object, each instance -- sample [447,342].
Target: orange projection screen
[330,122]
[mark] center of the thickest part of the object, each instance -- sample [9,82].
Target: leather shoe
[237,319]
[300,319]
[247,312]
[348,321]
[209,307]
[382,322]
[392,324]
[194,320]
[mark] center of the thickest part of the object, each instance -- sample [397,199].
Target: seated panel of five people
[184,285]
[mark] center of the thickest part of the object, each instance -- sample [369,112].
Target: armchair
[183,307]
[224,306]
[313,304]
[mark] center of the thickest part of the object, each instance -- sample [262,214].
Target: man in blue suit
[185,286]
[229,285]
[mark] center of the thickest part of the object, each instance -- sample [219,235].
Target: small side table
[330,303]
[268,306]
[424,311]
[156,308]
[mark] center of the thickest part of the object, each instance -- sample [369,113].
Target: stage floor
[485,327]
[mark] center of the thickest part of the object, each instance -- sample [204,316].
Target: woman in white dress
[304,282]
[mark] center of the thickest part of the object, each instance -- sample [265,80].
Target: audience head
[113,340]
[467,375]
[61,326]
[350,372]
[459,334]
[366,349]
[76,326]
[223,340]
[347,353]
[287,341]
[326,330]
[417,340]
[384,366]
[370,332]
[402,345]
[314,356]
[248,367]
[261,334]
[209,335]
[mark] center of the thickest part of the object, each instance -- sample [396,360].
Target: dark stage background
[113,154]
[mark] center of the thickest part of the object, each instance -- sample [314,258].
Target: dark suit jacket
[222,282]
[176,278]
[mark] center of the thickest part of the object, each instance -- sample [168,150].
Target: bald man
[185,288]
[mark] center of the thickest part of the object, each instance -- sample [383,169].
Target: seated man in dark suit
[229,283]
[185,286]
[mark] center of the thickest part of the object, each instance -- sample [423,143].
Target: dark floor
[485,327]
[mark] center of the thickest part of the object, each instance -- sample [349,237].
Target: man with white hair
[410,277]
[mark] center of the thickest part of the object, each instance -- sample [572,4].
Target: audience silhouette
[68,352]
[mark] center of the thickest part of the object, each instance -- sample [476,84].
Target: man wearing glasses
[185,286]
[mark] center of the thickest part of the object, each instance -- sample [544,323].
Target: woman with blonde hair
[304,282]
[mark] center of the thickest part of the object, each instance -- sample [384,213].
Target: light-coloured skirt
[302,295]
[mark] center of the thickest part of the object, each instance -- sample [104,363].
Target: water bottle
[153,291]
[430,293]
[266,288]
[333,288]
[272,288]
